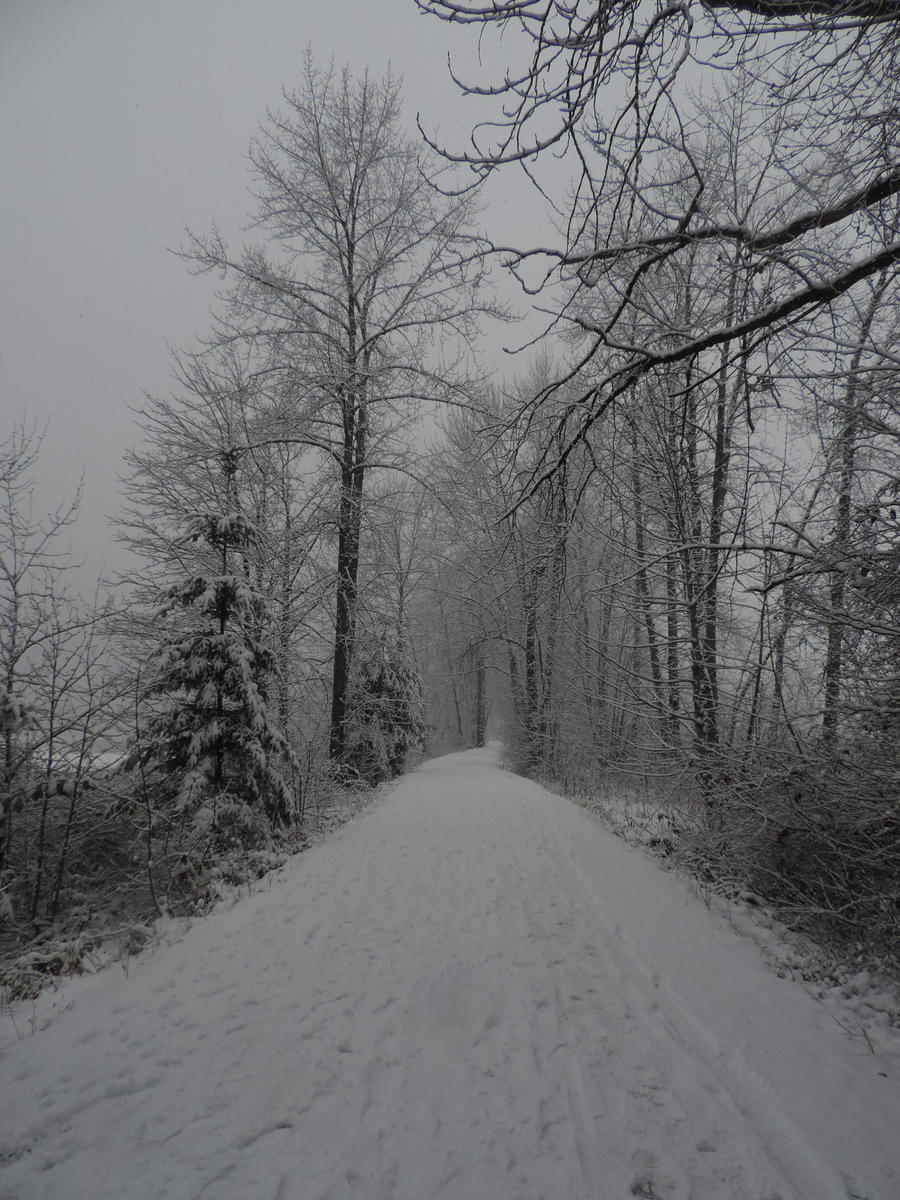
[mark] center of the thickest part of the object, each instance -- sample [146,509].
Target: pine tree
[386,712]
[212,737]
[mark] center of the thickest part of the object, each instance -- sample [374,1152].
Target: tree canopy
[617,98]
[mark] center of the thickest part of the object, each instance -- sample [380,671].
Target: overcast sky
[124,121]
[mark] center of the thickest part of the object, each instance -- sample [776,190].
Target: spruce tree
[387,709]
[211,737]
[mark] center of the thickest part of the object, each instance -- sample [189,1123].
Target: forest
[657,559]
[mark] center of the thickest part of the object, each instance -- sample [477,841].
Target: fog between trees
[658,558]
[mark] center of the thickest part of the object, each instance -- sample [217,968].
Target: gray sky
[123,122]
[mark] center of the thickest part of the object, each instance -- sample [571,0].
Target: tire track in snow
[637,1127]
[503,894]
[726,1075]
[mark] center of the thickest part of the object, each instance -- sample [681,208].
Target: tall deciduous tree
[219,413]
[366,264]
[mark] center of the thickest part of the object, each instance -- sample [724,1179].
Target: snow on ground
[471,992]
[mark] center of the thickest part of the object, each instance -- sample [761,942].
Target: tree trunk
[531,724]
[347,599]
[354,409]
[693,562]
[853,407]
[480,707]
[645,599]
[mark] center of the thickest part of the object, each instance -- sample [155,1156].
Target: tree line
[259,655]
[708,473]
[663,555]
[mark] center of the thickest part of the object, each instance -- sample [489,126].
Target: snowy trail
[471,992]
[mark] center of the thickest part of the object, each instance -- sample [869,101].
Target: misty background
[124,124]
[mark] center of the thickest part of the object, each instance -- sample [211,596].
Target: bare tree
[505,571]
[366,265]
[33,564]
[606,89]
[59,694]
[852,411]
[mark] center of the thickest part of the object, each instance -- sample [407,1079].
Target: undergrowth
[110,915]
[730,862]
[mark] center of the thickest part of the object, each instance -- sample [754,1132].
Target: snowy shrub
[26,976]
[387,713]
[820,840]
[15,713]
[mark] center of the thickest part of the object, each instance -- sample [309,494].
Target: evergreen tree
[387,710]
[212,736]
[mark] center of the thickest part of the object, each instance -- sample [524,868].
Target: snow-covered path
[471,992]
